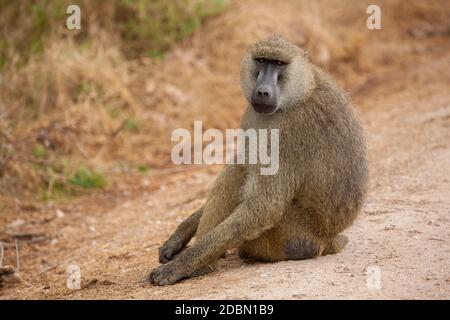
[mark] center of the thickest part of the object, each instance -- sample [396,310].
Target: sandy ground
[403,230]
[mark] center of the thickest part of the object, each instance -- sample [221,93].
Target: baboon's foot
[301,249]
[170,249]
[336,245]
[167,274]
[172,272]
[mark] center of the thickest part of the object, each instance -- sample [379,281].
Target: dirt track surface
[404,228]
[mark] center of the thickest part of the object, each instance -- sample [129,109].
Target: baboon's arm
[261,210]
[223,196]
[180,238]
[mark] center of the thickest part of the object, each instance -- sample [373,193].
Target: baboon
[299,212]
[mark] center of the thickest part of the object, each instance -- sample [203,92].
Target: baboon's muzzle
[265,93]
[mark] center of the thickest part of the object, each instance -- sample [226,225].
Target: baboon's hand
[167,274]
[169,249]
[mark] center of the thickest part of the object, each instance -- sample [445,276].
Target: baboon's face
[266,89]
[271,83]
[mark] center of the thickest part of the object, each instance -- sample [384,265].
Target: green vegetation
[39,151]
[143,168]
[88,179]
[27,25]
[148,27]
[70,95]
[152,26]
[62,181]
[131,125]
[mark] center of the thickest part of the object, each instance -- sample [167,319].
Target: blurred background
[86,115]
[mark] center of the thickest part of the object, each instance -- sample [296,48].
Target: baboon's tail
[336,245]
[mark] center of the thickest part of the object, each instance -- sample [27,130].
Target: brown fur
[299,212]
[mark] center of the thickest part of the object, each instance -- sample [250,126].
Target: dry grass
[69,98]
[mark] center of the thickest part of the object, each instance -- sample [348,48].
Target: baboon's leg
[278,245]
[299,249]
[180,237]
[222,200]
[203,271]
[247,222]
[336,245]
[294,238]
[275,246]
[290,239]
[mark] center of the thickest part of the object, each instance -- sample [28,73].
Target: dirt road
[403,231]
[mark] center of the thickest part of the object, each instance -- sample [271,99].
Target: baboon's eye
[280,63]
[261,60]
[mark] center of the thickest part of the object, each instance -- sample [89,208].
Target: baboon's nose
[263,99]
[264,95]
[264,92]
